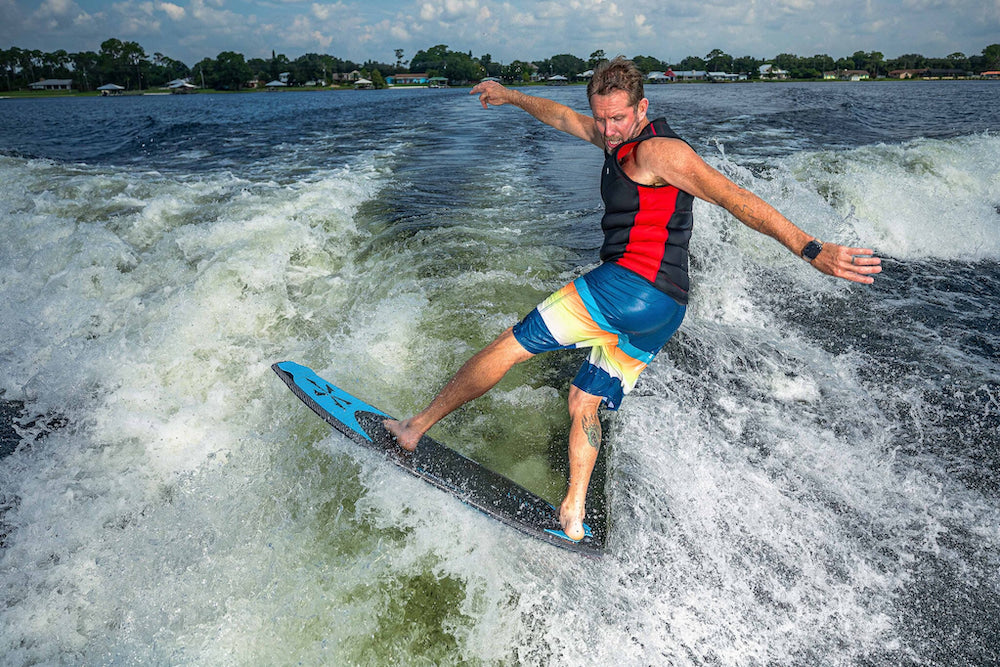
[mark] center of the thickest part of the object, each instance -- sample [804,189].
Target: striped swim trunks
[620,315]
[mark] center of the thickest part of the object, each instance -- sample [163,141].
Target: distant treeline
[127,64]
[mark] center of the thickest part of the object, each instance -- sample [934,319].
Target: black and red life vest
[646,228]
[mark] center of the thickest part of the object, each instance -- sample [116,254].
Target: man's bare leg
[584,444]
[475,378]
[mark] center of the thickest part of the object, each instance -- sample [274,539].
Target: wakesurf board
[473,484]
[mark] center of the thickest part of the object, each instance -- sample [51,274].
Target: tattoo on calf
[592,428]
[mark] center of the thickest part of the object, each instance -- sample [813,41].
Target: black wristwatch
[812,250]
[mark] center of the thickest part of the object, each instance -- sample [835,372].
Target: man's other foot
[571,517]
[406,435]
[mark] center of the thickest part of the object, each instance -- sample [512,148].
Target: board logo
[331,393]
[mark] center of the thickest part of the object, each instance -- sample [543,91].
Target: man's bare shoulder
[663,146]
[660,159]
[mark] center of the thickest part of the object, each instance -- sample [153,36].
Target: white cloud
[447,11]
[175,12]
[304,33]
[56,8]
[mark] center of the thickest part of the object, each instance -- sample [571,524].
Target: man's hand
[491,92]
[854,264]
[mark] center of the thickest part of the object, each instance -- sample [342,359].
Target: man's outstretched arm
[672,161]
[549,112]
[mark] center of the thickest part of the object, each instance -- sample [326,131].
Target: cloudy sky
[359,30]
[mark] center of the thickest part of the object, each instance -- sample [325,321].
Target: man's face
[616,119]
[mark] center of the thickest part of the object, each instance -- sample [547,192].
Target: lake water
[808,474]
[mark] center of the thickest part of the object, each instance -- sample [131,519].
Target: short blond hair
[617,74]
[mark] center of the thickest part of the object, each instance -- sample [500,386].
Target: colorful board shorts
[620,315]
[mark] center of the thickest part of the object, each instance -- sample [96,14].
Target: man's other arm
[549,112]
[674,162]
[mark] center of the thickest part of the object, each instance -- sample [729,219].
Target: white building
[772,72]
[52,84]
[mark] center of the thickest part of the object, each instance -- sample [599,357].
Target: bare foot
[571,514]
[406,435]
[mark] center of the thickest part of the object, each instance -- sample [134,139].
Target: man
[627,308]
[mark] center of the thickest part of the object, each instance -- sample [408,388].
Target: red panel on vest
[647,241]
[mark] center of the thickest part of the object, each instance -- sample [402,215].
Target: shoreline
[159,92]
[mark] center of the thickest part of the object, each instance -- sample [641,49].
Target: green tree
[822,63]
[55,64]
[958,60]
[86,70]
[596,58]
[567,65]
[279,65]
[134,58]
[692,63]
[8,63]
[647,64]
[907,61]
[230,72]
[719,61]
[490,68]
[204,73]
[518,71]
[461,68]
[991,56]
[439,61]
[433,58]
[260,69]
[747,65]
[114,66]
[875,63]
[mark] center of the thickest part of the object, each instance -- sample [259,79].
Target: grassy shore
[31,94]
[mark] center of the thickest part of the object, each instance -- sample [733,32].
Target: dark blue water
[809,473]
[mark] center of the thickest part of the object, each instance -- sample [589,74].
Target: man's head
[617,74]
[617,102]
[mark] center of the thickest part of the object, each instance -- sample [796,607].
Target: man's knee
[581,403]
[507,345]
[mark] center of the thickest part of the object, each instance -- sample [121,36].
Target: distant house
[945,74]
[181,88]
[724,76]
[345,77]
[906,73]
[557,80]
[661,77]
[109,89]
[691,75]
[275,85]
[772,72]
[414,78]
[992,74]
[52,84]
[847,75]
[586,76]
[364,84]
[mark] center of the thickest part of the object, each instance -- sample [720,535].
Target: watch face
[812,250]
